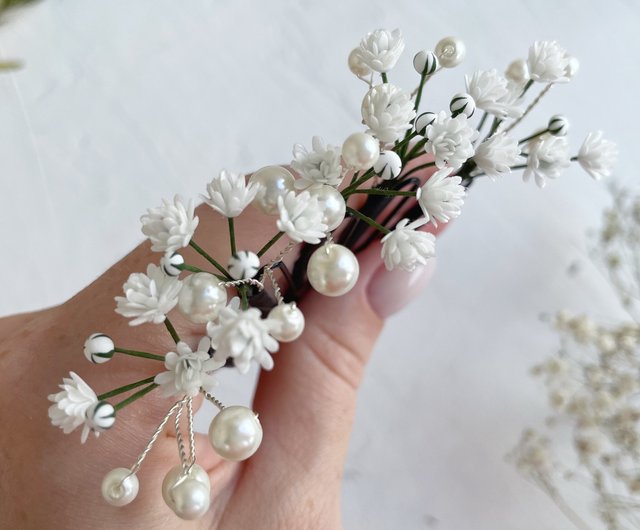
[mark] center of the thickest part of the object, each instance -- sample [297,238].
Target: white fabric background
[122,103]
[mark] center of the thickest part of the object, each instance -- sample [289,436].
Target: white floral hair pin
[380,162]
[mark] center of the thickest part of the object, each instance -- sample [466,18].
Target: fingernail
[390,291]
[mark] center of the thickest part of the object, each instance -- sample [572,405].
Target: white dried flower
[497,154]
[148,297]
[449,140]
[229,194]
[188,371]
[301,217]
[317,167]
[243,336]
[70,406]
[381,49]
[548,62]
[388,112]
[547,157]
[170,227]
[597,156]
[406,247]
[492,94]
[441,197]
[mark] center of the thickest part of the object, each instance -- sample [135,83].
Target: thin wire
[154,437]
[530,107]
[236,283]
[276,288]
[213,400]
[268,271]
[192,441]
[181,449]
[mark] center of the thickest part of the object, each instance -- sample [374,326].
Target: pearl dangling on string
[333,270]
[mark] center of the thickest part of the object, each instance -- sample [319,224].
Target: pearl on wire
[332,204]
[187,494]
[235,433]
[290,322]
[119,486]
[273,182]
[360,151]
[333,270]
[201,297]
[450,52]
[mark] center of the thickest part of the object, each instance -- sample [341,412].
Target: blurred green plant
[6,7]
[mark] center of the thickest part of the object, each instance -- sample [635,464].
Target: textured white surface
[123,103]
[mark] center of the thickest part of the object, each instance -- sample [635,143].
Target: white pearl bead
[118,487]
[243,265]
[201,298]
[360,151]
[274,182]
[332,204]
[188,495]
[333,270]
[290,322]
[518,71]
[356,64]
[98,348]
[389,165]
[235,433]
[450,52]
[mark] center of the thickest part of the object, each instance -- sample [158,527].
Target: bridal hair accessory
[312,210]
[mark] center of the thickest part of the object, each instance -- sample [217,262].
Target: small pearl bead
[118,490]
[201,298]
[188,496]
[333,270]
[332,204]
[356,65]
[98,348]
[518,71]
[235,433]
[450,52]
[274,181]
[243,265]
[388,166]
[360,151]
[290,320]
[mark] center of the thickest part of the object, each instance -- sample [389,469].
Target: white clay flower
[301,217]
[547,157]
[491,93]
[548,62]
[388,112]
[169,227]
[188,371]
[449,140]
[229,194]
[597,156]
[319,166]
[406,247]
[497,154]
[441,197]
[148,297]
[381,49]
[243,335]
[70,406]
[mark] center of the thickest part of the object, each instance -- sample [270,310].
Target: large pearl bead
[188,495]
[201,297]
[360,151]
[118,487]
[333,270]
[450,52]
[235,433]
[274,182]
[357,65]
[290,322]
[332,204]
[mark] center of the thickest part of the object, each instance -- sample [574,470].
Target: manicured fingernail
[390,291]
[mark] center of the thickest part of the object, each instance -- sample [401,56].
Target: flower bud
[462,103]
[425,63]
[423,121]
[558,125]
[98,348]
[101,416]
[170,262]
[388,165]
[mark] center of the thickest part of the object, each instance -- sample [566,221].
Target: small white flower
[148,297]
[388,112]
[406,247]
[171,226]
[491,93]
[188,371]
[381,49]
[450,140]
[597,156]
[548,62]
[301,217]
[229,194]
[70,406]
[243,336]
[547,157]
[441,197]
[497,154]
[319,166]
